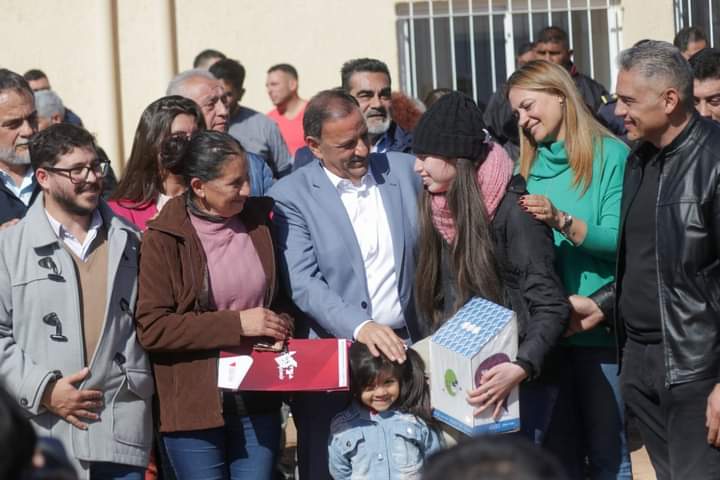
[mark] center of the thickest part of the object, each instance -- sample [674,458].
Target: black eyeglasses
[79,175]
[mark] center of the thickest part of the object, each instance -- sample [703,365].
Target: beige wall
[74,46]
[316,36]
[108,59]
[647,19]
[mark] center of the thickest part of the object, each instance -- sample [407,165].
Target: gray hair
[48,103]
[177,84]
[655,59]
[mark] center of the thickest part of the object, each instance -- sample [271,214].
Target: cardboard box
[479,336]
[304,365]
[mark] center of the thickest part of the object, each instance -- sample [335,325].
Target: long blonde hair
[582,131]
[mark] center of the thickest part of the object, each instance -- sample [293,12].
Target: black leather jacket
[687,251]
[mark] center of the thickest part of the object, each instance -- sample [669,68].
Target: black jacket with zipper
[687,255]
[526,253]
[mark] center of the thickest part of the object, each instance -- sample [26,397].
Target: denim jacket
[379,446]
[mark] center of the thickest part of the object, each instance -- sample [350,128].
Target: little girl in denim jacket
[386,433]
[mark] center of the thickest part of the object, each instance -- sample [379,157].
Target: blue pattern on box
[503,426]
[472,326]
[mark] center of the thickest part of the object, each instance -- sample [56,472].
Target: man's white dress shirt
[80,249]
[369,220]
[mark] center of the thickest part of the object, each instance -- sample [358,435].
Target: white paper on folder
[232,370]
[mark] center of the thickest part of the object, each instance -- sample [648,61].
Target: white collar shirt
[80,249]
[23,191]
[161,201]
[369,220]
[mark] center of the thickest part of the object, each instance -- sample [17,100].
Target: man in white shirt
[68,283]
[346,232]
[18,122]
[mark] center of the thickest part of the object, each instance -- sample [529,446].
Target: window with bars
[470,45]
[699,13]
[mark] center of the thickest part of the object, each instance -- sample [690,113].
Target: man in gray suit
[346,233]
[68,282]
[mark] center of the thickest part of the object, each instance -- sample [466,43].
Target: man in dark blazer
[18,122]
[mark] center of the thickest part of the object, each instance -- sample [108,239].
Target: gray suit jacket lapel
[392,201]
[338,222]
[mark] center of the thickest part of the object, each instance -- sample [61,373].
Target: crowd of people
[367,215]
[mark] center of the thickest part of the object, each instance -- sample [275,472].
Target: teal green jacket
[587,267]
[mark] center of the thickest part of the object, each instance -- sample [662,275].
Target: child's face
[381,395]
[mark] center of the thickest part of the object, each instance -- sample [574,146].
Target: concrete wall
[647,19]
[316,36]
[73,42]
[108,59]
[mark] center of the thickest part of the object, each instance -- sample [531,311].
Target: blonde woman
[574,169]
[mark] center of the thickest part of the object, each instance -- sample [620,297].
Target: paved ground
[642,468]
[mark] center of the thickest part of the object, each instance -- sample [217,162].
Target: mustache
[94,187]
[377,111]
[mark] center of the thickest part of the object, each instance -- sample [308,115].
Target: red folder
[303,365]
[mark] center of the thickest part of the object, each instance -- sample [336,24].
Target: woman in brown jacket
[208,282]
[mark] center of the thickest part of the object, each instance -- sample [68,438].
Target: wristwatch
[567,224]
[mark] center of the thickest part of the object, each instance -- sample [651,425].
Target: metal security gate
[699,13]
[470,45]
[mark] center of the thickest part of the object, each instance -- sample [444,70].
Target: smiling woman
[148,182]
[192,304]
[574,169]
[475,241]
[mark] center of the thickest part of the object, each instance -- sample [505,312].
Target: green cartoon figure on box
[451,382]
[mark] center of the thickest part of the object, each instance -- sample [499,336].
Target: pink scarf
[493,177]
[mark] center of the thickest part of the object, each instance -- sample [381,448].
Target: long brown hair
[582,132]
[142,181]
[473,258]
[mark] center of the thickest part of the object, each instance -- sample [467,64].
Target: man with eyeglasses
[18,122]
[68,285]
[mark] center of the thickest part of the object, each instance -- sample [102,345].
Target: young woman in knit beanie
[475,240]
[574,168]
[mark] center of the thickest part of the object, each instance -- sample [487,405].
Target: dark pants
[115,471]
[537,400]
[671,420]
[312,414]
[588,419]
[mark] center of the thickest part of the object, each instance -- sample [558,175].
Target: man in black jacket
[18,121]
[666,300]
[706,87]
